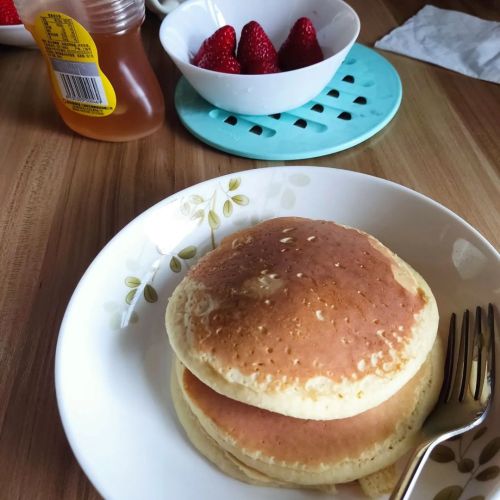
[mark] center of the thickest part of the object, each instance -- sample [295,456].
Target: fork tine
[472,345]
[491,347]
[459,378]
[482,354]
[449,361]
[467,341]
[488,356]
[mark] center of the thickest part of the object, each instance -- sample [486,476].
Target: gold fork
[466,395]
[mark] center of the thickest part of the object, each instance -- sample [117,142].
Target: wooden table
[62,197]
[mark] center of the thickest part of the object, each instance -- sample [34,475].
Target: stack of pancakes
[307,355]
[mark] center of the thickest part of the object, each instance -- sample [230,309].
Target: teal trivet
[360,100]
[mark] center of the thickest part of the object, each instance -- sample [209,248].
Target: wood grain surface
[62,197]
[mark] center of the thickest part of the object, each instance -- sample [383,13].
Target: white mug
[162,7]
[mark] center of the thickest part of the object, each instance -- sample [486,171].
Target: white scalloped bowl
[183,31]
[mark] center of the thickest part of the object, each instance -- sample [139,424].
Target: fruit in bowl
[240,82]
[12,31]
[256,53]
[301,48]
[217,52]
[8,13]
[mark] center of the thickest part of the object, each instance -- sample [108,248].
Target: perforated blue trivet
[360,100]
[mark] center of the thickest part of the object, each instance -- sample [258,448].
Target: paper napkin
[451,39]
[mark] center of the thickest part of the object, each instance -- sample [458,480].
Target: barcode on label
[81,88]
[79,81]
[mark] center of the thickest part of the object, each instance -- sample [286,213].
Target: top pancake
[302,317]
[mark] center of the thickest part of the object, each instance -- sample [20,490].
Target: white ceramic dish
[16,35]
[162,7]
[183,31]
[113,357]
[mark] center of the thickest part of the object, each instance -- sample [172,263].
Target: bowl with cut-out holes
[183,31]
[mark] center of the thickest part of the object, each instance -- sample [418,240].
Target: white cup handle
[162,7]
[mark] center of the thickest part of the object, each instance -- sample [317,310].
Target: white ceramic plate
[16,35]
[113,357]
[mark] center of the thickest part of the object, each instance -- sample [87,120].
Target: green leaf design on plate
[234,184]
[465,465]
[196,199]
[198,214]
[299,180]
[213,219]
[489,473]
[150,294]
[187,253]
[130,296]
[134,318]
[490,450]
[479,433]
[185,208]
[477,497]
[240,199]
[449,493]
[175,265]
[442,454]
[227,210]
[132,281]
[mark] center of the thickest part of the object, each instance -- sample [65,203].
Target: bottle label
[73,63]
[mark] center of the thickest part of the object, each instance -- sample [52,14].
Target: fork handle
[409,477]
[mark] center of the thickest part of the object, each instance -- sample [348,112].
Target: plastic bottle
[102,83]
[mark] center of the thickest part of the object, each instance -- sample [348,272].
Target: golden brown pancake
[312,452]
[306,318]
[226,462]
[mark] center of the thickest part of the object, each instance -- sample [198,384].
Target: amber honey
[139,100]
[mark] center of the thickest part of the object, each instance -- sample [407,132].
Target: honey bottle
[102,83]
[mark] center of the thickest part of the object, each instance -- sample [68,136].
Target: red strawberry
[8,13]
[222,62]
[223,41]
[301,48]
[256,52]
